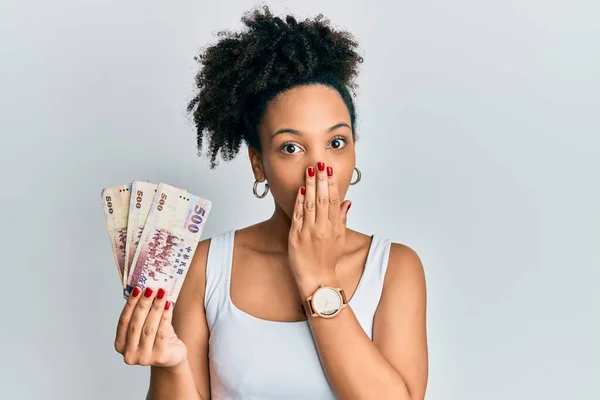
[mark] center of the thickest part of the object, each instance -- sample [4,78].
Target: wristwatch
[325,302]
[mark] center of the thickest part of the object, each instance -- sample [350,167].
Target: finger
[322,213]
[345,207]
[124,318]
[164,331]
[298,213]
[309,198]
[150,327]
[334,197]
[137,321]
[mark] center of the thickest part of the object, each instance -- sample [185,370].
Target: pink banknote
[115,201]
[168,241]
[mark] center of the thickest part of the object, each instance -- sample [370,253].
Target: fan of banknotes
[154,230]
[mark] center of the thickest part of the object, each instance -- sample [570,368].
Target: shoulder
[200,260]
[404,267]
[404,281]
[202,251]
[404,270]
[403,260]
[196,276]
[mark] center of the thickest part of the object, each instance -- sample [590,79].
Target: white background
[479,148]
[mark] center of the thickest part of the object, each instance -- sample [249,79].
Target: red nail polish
[136,292]
[303,190]
[311,171]
[167,305]
[349,205]
[321,166]
[147,292]
[329,171]
[160,294]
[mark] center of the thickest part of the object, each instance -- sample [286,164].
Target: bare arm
[190,379]
[392,366]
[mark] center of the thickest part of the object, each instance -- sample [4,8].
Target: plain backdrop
[479,148]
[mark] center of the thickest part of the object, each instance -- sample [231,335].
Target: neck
[277,229]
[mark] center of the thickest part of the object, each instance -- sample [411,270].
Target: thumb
[344,208]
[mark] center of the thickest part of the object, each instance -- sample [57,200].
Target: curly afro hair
[243,71]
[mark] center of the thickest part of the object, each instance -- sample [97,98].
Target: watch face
[327,301]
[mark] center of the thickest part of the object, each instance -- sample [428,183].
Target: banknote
[169,240]
[115,201]
[142,194]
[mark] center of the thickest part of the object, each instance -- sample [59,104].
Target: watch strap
[344,299]
[308,308]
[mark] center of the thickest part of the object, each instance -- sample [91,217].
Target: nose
[315,158]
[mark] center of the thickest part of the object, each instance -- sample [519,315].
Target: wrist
[179,369]
[307,285]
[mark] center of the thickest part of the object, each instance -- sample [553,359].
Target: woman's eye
[290,148]
[338,143]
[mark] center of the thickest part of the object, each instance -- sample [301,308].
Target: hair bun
[270,53]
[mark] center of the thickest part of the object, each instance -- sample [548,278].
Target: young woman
[298,306]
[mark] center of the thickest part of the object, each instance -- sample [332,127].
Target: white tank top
[253,358]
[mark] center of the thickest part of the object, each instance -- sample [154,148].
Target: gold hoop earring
[264,193]
[358,176]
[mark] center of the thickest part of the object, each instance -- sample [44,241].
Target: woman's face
[301,127]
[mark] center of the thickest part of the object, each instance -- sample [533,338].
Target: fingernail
[167,305]
[160,294]
[311,171]
[303,190]
[349,205]
[147,292]
[329,171]
[321,166]
[136,292]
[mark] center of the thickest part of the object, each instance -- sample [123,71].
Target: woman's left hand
[317,234]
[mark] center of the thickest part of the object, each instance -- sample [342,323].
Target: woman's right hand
[145,335]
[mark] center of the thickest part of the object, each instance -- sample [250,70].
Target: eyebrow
[297,132]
